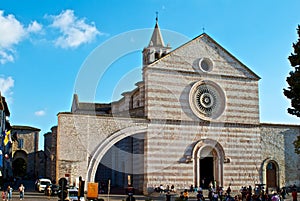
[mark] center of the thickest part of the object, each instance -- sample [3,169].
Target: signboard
[92,191]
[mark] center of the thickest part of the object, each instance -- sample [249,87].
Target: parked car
[42,183]
[54,189]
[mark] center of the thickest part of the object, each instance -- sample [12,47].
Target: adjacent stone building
[19,155]
[192,120]
[25,154]
[50,153]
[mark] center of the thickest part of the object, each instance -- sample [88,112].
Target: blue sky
[44,45]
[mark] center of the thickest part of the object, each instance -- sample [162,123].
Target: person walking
[294,194]
[21,191]
[168,196]
[9,193]
[49,191]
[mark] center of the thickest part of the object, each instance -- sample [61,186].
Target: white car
[42,183]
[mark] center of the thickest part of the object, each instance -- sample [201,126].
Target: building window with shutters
[20,143]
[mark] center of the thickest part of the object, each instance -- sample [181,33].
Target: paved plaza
[162,197]
[32,195]
[35,196]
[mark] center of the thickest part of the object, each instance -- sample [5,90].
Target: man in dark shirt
[168,196]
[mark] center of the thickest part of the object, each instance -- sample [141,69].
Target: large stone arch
[20,154]
[219,156]
[106,144]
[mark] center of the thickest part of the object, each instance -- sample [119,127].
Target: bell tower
[156,47]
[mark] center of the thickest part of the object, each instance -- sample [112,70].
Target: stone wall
[48,152]
[277,145]
[53,152]
[169,145]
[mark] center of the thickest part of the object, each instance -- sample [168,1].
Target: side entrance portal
[271,175]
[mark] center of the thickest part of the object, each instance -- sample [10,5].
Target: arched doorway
[19,164]
[207,163]
[19,167]
[208,157]
[271,175]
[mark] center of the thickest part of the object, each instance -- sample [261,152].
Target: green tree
[293,90]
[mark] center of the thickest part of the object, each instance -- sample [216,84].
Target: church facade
[193,119]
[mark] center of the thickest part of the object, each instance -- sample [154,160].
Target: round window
[207,100]
[206,64]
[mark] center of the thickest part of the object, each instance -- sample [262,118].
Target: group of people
[163,189]
[249,194]
[246,194]
[261,194]
[7,194]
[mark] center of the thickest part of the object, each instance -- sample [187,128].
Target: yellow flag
[6,138]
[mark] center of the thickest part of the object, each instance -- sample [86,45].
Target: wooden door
[271,175]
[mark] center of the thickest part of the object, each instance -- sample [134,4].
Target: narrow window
[156,56]
[20,143]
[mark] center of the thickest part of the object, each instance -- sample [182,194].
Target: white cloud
[34,27]
[5,56]
[12,32]
[74,31]
[40,113]
[6,84]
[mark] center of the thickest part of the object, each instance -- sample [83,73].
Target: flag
[7,137]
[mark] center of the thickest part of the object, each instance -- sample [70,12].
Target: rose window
[207,100]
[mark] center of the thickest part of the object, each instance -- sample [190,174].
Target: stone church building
[192,119]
